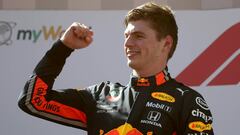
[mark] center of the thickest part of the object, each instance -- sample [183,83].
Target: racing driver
[153,103]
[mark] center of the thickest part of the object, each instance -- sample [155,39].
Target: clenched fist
[77,36]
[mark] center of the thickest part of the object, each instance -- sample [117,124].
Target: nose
[128,42]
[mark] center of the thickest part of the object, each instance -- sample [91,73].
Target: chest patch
[163,97]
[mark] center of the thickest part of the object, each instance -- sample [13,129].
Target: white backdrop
[103,60]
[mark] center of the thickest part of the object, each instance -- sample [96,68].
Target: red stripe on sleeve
[40,103]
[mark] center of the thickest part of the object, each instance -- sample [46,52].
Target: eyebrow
[135,33]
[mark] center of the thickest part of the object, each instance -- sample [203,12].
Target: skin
[146,55]
[77,36]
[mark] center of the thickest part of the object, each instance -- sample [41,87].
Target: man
[152,102]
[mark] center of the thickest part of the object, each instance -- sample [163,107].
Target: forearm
[52,63]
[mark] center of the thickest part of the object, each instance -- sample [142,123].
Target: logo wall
[222,57]
[7,30]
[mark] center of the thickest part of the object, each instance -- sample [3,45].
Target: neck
[149,72]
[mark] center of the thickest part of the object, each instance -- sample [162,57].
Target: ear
[168,43]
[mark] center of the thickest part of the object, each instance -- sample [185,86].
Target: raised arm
[39,99]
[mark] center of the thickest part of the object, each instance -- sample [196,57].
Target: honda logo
[154,116]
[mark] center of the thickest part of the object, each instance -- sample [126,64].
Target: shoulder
[191,95]
[184,90]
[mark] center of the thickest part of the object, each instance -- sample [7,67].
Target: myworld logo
[8,29]
[51,32]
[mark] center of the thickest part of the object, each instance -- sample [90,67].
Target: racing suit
[155,105]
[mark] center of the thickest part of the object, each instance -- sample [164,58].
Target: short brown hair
[161,19]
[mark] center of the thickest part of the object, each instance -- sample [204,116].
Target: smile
[133,52]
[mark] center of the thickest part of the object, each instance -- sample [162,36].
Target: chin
[132,64]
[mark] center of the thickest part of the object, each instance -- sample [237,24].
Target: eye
[138,36]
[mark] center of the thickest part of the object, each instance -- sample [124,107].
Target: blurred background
[29,27]
[113,4]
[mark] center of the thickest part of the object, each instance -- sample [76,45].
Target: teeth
[132,52]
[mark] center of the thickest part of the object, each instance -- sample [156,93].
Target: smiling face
[145,53]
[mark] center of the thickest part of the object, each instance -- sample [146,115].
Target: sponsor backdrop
[207,59]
